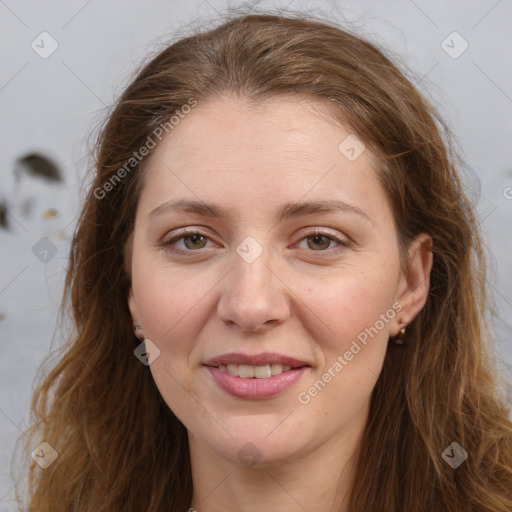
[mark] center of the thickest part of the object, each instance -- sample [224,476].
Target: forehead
[247,152]
[230,125]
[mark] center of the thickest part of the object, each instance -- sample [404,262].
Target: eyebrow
[287,211]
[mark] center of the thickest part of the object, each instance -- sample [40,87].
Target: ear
[132,306]
[414,281]
[134,312]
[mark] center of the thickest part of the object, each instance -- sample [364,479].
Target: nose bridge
[252,295]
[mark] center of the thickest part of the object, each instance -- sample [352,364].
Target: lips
[255,360]
[253,388]
[256,377]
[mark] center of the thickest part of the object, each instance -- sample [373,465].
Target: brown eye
[319,240]
[195,240]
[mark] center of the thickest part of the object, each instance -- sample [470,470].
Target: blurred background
[63,63]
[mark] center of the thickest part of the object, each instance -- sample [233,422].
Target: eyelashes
[184,234]
[343,245]
[168,244]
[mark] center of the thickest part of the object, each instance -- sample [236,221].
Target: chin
[257,443]
[257,453]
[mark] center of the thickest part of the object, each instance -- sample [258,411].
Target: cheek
[170,307]
[350,327]
[349,304]
[166,299]
[353,348]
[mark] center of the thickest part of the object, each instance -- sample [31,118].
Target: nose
[253,297]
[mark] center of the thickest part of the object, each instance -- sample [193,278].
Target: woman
[278,289]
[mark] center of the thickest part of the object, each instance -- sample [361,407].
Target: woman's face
[289,271]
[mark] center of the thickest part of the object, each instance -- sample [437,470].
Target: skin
[298,298]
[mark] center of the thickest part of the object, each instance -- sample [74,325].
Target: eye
[322,240]
[192,239]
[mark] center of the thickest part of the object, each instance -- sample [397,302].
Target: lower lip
[256,389]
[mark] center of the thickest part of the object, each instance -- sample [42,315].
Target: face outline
[298,298]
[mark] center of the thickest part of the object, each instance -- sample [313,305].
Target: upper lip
[256,360]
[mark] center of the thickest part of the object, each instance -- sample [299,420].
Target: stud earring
[400,337]
[137,329]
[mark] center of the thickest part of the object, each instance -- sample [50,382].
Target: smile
[255,382]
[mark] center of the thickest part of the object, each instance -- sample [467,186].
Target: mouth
[259,366]
[256,376]
[246,371]
[256,388]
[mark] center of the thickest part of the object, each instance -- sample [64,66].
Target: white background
[53,105]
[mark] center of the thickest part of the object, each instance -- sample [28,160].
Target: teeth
[247,371]
[233,370]
[262,372]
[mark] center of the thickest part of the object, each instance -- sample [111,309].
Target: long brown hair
[120,447]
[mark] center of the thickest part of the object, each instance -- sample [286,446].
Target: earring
[137,327]
[400,337]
